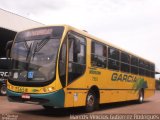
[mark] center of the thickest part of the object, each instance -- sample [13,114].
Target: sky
[133,25]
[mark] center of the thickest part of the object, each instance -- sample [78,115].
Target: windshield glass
[34,56]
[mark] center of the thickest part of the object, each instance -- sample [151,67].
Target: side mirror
[76,42]
[8,48]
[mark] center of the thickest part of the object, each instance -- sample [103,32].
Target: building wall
[15,22]
[10,24]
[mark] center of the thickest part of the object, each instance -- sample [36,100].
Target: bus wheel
[141,96]
[48,107]
[3,90]
[91,102]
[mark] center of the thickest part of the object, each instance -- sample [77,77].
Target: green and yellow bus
[61,66]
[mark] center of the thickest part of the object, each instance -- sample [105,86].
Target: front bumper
[55,99]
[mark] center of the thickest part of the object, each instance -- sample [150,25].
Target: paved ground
[36,112]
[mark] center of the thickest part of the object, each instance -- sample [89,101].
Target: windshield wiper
[29,49]
[40,45]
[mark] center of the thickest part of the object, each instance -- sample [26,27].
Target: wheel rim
[90,100]
[3,90]
[141,97]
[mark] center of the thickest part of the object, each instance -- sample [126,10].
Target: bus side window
[152,69]
[134,65]
[125,62]
[98,55]
[77,58]
[113,58]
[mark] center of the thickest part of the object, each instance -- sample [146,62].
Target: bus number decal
[95,78]
[20,89]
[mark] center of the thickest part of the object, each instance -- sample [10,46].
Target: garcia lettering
[123,77]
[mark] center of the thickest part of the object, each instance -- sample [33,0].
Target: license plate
[26,96]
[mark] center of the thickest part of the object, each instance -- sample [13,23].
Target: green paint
[55,99]
[139,84]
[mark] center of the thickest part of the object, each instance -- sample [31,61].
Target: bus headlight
[48,89]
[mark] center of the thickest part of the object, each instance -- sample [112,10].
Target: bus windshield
[34,54]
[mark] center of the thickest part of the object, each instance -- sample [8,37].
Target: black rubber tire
[3,90]
[48,107]
[141,97]
[92,102]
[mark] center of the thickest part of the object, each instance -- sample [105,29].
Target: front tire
[91,102]
[3,90]
[48,107]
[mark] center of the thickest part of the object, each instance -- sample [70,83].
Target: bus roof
[82,32]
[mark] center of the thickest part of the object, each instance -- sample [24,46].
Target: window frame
[71,62]
[122,62]
[103,57]
[133,62]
